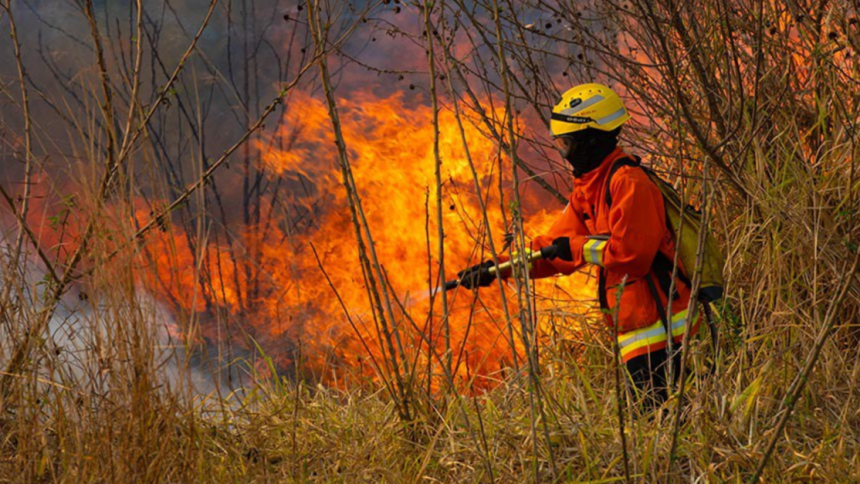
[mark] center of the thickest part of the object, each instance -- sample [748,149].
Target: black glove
[560,249]
[477,275]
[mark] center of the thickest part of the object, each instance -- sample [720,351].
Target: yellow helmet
[587,106]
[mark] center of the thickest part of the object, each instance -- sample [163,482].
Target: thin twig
[619,393]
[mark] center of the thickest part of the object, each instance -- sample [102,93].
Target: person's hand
[477,275]
[560,249]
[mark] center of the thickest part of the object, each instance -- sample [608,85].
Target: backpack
[680,215]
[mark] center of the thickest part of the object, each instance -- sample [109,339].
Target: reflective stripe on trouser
[650,338]
[592,251]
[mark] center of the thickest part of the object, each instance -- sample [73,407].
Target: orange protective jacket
[635,224]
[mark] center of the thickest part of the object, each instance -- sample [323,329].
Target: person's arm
[570,225]
[637,225]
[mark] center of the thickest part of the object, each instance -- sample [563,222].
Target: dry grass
[96,387]
[119,419]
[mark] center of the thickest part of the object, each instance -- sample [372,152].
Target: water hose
[548,252]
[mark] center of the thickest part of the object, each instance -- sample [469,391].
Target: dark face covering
[586,149]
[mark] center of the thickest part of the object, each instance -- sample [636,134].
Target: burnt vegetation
[224,224]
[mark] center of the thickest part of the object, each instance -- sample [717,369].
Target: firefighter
[622,229]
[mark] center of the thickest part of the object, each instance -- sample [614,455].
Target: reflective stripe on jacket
[635,231]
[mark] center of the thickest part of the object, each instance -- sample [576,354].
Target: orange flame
[284,299]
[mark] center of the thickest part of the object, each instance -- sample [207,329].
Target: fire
[278,294]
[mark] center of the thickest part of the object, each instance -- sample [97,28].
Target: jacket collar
[593,181]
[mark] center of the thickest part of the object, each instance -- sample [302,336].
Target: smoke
[86,328]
